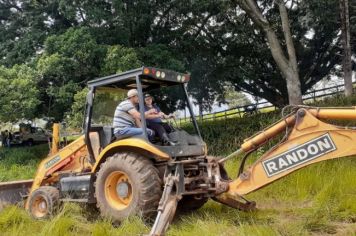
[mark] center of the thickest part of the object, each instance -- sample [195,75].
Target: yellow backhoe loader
[133,175]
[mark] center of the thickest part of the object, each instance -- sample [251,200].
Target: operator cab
[109,91]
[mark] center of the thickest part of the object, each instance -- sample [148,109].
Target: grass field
[318,200]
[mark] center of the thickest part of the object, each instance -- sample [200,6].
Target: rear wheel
[127,184]
[43,202]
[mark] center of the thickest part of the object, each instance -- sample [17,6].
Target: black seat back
[107,137]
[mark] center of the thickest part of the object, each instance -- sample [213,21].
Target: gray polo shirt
[122,118]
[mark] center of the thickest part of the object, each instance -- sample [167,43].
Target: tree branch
[250,7]
[287,35]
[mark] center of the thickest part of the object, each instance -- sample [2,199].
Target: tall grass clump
[20,162]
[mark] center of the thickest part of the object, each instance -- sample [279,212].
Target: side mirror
[90,96]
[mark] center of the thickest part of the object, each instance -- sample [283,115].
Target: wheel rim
[118,190]
[39,207]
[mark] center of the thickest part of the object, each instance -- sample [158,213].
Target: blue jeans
[133,131]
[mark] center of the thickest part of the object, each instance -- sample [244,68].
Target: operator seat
[108,136]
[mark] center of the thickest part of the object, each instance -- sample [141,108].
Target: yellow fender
[130,144]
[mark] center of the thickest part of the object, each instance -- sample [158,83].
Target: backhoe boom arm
[344,113]
[309,141]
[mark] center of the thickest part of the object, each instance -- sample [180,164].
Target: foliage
[119,59]
[105,104]
[75,117]
[161,56]
[19,93]
[20,162]
[68,60]
[71,42]
[234,98]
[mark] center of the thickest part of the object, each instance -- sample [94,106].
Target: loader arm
[67,159]
[309,141]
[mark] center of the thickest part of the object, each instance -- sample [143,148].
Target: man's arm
[137,117]
[152,114]
[138,123]
[148,114]
[135,114]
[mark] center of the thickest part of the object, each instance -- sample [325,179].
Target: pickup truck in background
[33,135]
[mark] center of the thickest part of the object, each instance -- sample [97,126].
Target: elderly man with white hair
[127,120]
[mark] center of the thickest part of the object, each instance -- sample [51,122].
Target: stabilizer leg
[174,185]
[232,202]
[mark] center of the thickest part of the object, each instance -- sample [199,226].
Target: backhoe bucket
[13,192]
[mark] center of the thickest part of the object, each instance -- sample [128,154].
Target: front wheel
[127,184]
[43,202]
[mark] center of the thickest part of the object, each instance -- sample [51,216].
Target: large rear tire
[43,202]
[127,184]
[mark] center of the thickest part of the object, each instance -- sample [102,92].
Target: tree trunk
[200,111]
[293,87]
[287,65]
[292,74]
[345,34]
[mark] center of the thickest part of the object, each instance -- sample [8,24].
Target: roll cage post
[191,110]
[89,112]
[141,106]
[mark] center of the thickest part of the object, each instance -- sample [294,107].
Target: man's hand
[167,116]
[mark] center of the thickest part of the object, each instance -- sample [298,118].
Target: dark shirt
[154,120]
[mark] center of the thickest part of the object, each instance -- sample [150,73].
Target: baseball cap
[132,93]
[147,95]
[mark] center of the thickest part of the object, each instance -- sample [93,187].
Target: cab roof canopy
[151,78]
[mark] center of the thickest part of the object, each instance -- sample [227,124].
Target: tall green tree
[286,62]
[68,62]
[241,51]
[19,93]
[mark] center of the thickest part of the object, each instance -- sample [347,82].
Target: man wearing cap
[156,124]
[127,120]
